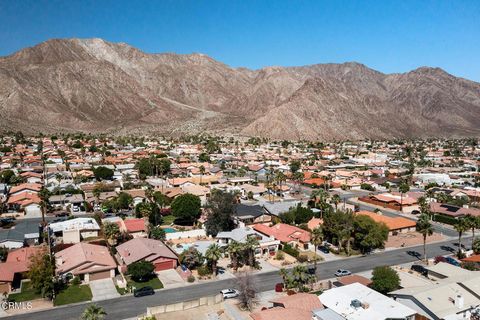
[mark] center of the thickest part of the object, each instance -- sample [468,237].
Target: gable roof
[393,223]
[135,225]
[144,249]
[84,258]
[284,232]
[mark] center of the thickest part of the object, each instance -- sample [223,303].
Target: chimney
[459,301]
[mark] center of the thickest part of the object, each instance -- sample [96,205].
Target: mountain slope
[96,86]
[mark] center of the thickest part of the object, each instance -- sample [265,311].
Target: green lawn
[155,283]
[73,294]
[27,293]
[168,220]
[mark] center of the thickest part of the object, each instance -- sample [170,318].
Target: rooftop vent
[356,303]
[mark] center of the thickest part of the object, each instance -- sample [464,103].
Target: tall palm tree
[425,228]
[283,273]
[473,223]
[335,200]
[403,188]
[316,239]
[250,245]
[202,172]
[93,312]
[234,249]
[461,226]
[213,254]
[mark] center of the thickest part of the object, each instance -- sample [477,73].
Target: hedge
[288,249]
[445,219]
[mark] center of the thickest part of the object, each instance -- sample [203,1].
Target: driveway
[170,278]
[103,289]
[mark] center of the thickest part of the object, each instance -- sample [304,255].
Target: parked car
[145,291]
[324,249]
[279,287]
[342,272]
[229,293]
[311,270]
[75,209]
[415,212]
[420,269]
[452,261]
[440,259]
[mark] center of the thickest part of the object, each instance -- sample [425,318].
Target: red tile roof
[135,225]
[284,232]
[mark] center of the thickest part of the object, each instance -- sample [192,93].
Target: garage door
[159,266]
[99,275]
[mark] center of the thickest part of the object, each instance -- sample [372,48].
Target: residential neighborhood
[270,229]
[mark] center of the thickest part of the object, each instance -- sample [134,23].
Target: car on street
[452,261]
[229,293]
[342,273]
[420,269]
[145,291]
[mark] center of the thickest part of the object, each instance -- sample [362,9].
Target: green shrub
[279,255]
[204,271]
[445,219]
[288,249]
[76,281]
[191,279]
[302,258]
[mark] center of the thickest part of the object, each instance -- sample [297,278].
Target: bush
[385,279]
[279,255]
[140,270]
[76,281]
[445,219]
[302,258]
[204,271]
[191,279]
[288,249]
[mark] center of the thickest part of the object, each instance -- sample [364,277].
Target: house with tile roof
[155,251]
[16,265]
[395,224]
[297,306]
[286,234]
[87,261]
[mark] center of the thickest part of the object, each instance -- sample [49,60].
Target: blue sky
[390,36]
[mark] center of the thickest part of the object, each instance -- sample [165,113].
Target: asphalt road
[129,306]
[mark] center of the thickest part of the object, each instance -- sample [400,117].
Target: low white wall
[185,305]
[186,234]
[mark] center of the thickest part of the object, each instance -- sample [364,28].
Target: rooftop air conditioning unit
[356,303]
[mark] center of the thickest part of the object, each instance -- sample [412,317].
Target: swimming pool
[170,230]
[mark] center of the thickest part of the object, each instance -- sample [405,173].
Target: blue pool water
[170,230]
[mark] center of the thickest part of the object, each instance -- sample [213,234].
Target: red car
[279,287]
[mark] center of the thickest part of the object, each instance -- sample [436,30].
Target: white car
[229,293]
[341,273]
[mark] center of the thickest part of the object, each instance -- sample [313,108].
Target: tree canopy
[220,212]
[141,270]
[385,279]
[103,173]
[186,208]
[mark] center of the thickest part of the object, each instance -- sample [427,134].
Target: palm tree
[202,172]
[316,239]
[473,223]
[461,226]
[425,228]
[111,231]
[283,274]
[93,312]
[250,245]
[403,188]
[234,249]
[213,254]
[335,200]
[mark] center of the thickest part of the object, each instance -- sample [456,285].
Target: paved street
[128,306]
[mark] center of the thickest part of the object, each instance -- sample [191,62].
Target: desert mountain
[95,86]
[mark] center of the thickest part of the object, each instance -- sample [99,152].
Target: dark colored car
[452,261]
[311,270]
[279,287]
[414,254]
[420,269]
[145,291]
[440,259]
[324,249]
